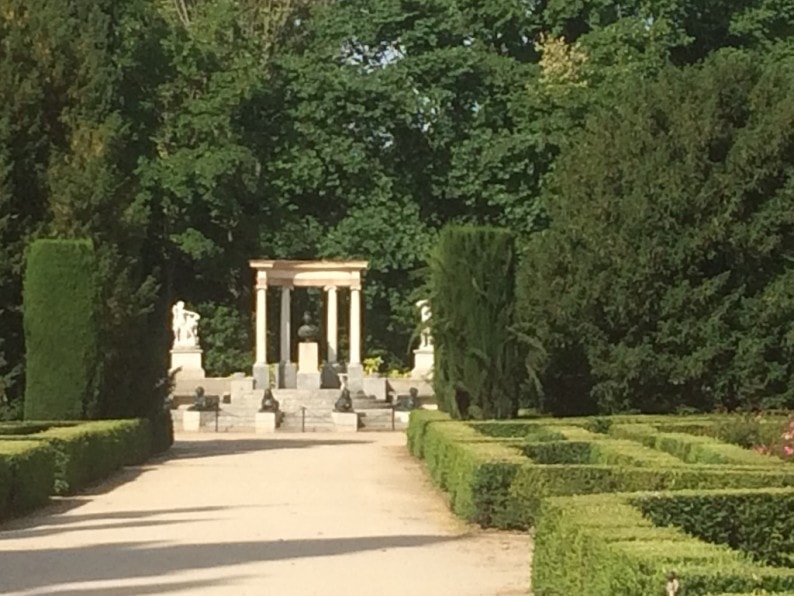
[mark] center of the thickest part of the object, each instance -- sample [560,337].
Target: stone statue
[344,403]
[673,585]
[202,402]
[185,326]
[425,339]
[308,332]
[408,403]
[269,402]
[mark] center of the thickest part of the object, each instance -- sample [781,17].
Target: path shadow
[190,449]
[53,516]
[141,589]
[34,569]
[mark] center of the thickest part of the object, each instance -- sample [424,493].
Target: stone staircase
[239,415]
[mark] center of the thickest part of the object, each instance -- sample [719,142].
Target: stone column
[287,371]
[355,325]
[355,370]
[331,325]
[261,372]
[286,320]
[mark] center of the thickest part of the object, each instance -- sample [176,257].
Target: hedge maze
[617,504]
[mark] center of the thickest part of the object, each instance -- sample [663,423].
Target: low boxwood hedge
[692,448]
[26,475]
[602,545]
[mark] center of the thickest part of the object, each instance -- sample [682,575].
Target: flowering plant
[781,446]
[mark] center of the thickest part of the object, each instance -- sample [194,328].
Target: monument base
[345,422]
[261,373]
[186,363]
[286,377]
[310,381]
[355,378]
[193,420]
[240,387]
[265,423]
[423,363]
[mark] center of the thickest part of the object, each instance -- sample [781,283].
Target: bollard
[303,419]
[392,417]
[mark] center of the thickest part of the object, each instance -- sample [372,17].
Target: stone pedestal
[265,423]
[261,374]
[402,417]
[329,376]
[192,421]
[355,378]
[286,377]
[240,386]
[375,387]
[308,376]
[345,422]
[187,363]
[423,363]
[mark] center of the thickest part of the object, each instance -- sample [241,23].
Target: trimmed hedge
[457,457]
[61,320]
[602,545]
[759,523]
[26,475]
[692,448]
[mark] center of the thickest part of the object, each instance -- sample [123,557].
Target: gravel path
[240,514]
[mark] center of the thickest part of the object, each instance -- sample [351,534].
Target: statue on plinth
[409,402]
[184,324]
[308,332]
[202,402]
[269,402]
[344,403]
[425,338]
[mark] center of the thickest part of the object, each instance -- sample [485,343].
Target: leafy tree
[661,282]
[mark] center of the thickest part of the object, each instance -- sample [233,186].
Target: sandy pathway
[235,514]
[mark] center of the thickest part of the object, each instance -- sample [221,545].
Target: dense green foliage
[478,364]
[61,303]
[663,280]
[760,524]
[65,459]
[185,137]
[26,476]
[584,492]
[600,545]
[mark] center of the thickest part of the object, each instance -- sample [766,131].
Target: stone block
[240,386]
[265,423]
[187,363]
[261,374]
[375,386]
[193,421]
[310,381]
[308,357]
[346,422]
[423,363]
[287,376]
[355,378]
[402,417]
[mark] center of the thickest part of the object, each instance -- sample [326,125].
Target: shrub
[26,475]
[759,523]
[601,545]
[61,304]
[692,448]
[478,363]
[92,451]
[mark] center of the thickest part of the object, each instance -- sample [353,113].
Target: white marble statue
[185,326]
[425,339]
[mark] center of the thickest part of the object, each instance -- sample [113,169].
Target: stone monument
[423,355]
[186,351]
[308,355]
